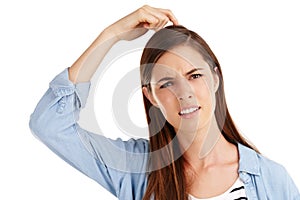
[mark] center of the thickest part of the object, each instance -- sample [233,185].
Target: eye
[167,84]
[195,76]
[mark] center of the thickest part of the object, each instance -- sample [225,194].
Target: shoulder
[256,163]
[130,155]
[276,178]
[270,173]
[98,141]
[271,167]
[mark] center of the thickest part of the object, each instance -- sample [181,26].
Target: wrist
[110,33]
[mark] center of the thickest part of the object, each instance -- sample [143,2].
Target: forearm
[86,65]
[128,28]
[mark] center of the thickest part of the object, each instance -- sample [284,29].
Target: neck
[207,147]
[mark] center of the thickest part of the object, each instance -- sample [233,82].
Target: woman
[195,150]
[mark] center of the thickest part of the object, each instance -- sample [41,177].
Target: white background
[256,42]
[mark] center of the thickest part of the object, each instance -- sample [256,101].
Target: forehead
[178,60]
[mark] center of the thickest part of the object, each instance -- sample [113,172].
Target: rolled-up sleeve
[54,122]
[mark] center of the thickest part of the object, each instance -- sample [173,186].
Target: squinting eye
[167,84]
[194,76]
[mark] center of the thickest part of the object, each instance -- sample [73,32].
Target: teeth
[187,111]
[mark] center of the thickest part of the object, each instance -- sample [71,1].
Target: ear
[149,96]
[216,79]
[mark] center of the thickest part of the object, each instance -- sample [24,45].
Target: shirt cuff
[62,86]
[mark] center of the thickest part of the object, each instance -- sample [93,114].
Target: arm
[54,120]
[128,28]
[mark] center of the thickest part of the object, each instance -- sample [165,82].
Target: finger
[162,23]
[154,24]
[149,21]
[156,18]
[160,12]
[163,15]
[170,15]
[162,18]
[146,18]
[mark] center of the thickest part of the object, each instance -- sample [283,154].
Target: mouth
[189,110]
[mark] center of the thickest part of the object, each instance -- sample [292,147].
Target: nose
[184,91]
[187,97]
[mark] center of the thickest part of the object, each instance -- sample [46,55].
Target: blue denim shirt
[120,166]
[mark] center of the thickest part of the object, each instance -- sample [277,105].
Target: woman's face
[183,87]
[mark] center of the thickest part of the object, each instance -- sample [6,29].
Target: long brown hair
[168,181]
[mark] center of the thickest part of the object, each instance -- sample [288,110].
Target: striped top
[235,192]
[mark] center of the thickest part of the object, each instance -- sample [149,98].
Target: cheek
[167,103]
[204,92]
[166,99]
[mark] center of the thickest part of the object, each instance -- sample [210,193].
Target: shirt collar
[248,160]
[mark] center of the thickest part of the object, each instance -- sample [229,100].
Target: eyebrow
[193,70]
[186,74]
[164,79]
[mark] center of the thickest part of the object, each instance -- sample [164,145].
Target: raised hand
[140,21]
[129,27]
